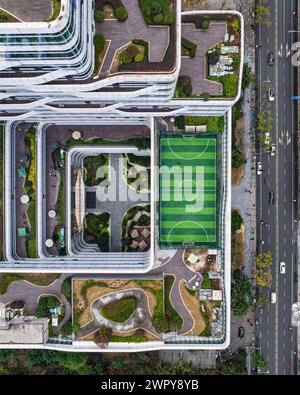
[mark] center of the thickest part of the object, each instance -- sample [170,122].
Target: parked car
[271,59]
[271,94]
[259,168]
[271,197]
[282,267]
[273,150]
[273,297]
[241,333]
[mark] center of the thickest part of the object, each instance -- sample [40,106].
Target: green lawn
[120,310]
[188,191]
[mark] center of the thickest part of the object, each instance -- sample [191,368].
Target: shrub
[99,42]
[160,324]
[205,96]
[66,288]
[139,57]
[238,158]
[236,221]
[145,44]
[158,18]
[125,58]
[99,16]
[121,14]
[66,329]
[132,51]
[189,46]
[185,83]
[205,24]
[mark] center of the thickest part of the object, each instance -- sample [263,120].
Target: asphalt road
[277,343]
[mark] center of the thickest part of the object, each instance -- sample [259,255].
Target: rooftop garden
[96,230]
[29,187]
[85,292]
[223,59]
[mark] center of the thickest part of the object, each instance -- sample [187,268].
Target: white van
[273,297]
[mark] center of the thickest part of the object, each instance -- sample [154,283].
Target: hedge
[99,16]
[121,14]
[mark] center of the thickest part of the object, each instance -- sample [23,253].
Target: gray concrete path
[175,266]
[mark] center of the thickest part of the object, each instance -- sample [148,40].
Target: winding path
[176,267]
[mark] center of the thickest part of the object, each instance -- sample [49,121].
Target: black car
[271,198]
[241,334]
[271,59]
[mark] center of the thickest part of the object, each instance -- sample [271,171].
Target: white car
[273,297]
[282,267]
[259,169]
[273,150]
[271,94]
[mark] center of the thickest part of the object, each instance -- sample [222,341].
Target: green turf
[188,194]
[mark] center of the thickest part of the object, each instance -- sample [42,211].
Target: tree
[205,96]
[160,324]
[262,273]
[238,158]
[125,58]
[262,301]
[205,24]
[246,76]
[259,361]
[99,16]
[117,362]
[66,329]
[236,365]
[158,18]
[241,296]
[236,221]
[66,288]
[121,13]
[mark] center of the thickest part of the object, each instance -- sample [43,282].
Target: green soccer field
[188,191]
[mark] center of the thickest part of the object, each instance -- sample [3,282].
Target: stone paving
[196,67]
[112,199]
[122,33]
[28,10]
